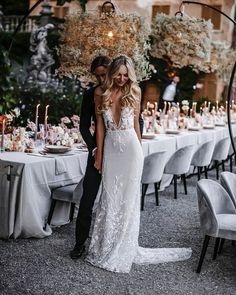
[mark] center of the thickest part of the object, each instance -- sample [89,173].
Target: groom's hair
[99,61]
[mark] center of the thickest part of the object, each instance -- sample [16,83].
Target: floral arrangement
[9,119]
[18,140]
[183,40]
[63,134]
[87,35]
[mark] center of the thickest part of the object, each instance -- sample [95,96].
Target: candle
[217,105]
[169,106]
[3,130]
[191,112]
[148,103]
[36,121]
[164,111]
[209,106]
[46,118]
[205,103]
[226,105]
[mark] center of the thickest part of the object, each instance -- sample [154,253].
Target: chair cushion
[64,193]
[227,226]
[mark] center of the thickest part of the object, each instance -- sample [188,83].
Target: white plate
[172,131]
[148,136]
[57,149]
[220,124]
[194,128]
[208,126]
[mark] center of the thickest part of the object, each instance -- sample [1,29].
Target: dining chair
[69,193]
[153,169]
[232,154]
[179,164]
[202,157]
[220,154]
[217,215]
[228,181]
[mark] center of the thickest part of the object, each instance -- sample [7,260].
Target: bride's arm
[100,130]
[136,115]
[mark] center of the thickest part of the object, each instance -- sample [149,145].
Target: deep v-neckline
[113,119]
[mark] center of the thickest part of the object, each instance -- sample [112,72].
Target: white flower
[185,102]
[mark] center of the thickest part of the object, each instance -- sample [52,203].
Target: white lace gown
[114,244]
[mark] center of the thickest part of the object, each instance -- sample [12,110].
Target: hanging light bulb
[110,34]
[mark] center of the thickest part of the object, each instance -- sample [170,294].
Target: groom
[92,177]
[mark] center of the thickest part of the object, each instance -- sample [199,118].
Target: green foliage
[7,98]
[13,7]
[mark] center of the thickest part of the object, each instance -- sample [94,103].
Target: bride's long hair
[130,90]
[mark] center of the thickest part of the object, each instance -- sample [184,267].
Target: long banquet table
[25,200]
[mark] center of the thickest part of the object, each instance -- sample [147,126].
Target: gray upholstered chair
[232,154]
[202,157]
[220,154]
[68,193]
[179,164]
[228,181]
[153,169]
[217,215]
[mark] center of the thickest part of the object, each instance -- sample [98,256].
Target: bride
[119,157]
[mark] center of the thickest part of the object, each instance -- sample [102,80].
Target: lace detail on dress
[126,119]
[114,243]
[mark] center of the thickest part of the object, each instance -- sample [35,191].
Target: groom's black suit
[92,177]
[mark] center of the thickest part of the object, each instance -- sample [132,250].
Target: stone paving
[43,266]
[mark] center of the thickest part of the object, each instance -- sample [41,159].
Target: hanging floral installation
[226,58]
[183,40]
[87,35]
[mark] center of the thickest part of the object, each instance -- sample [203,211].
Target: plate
[57,149]
[194,128]
[148,136]
[208,126]
[172,131]
[220,124]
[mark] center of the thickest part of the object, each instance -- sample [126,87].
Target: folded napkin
[60,166]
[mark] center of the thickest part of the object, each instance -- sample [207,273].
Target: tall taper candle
[3,131]
[45,119]
[36,121]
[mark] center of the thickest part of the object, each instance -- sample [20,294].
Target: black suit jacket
[86,115]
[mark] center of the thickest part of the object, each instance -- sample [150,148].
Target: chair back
[228,181]
[212,200]
[202,156]
[221,149]
[179,162]
[231,151]
[69,193]
[153,167]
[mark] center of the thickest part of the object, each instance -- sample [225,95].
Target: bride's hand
[98,164]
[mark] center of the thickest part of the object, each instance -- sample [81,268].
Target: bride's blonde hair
[131,89]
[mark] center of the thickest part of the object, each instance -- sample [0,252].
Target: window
[214,16]
[156,9]
[60,11]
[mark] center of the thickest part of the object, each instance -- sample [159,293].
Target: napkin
[60,166]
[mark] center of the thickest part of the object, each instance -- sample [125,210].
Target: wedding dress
[114,244]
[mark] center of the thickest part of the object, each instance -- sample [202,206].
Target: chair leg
[231,163]
[175,186]
[203,253]
[72,210]
[53,204]
[217,242]
[217,169]
[205,172]
[185,183]
[223,165]
[144,190]
[157,186]
[198,173]
[222,241]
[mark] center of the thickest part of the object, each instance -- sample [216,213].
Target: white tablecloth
[25,200]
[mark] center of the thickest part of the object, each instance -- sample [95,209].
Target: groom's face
[100,74]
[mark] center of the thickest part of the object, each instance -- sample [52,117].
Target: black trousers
[91,185]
